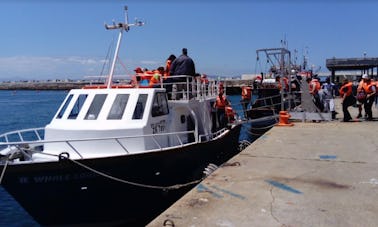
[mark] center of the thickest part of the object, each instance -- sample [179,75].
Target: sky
[66,39]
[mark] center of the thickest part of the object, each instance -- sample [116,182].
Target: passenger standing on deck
[369,87]
[246,96]
[220,106]
[183,65]
[167,80]
[329,92]
[347,98]
[168,64]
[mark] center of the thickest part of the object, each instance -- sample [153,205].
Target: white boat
[116,154]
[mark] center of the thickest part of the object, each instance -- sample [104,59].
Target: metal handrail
[193,87]
[70,142]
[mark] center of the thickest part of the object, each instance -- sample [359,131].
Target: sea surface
[22,109]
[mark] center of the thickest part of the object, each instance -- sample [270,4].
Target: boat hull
[67,193]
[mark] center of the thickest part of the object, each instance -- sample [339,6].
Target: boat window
[160,105]
[139,108]
[95,108]
[61,112]
[77,107]
[118,107]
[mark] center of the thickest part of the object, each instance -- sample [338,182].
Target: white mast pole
[122,27]
[110,77]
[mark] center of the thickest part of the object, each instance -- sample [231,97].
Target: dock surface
[310,174]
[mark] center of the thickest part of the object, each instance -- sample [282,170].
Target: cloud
[148,62]
[69,67]
[36,67]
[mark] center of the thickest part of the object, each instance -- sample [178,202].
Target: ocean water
[22,110]
[30,109]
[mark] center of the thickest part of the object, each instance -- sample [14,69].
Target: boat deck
[311,174]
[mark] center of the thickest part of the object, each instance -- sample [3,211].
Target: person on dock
[370,89]
[329,91]
[347,98]
[360,98]
[314,87]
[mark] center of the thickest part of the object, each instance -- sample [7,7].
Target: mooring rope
[3,172]
[176,186]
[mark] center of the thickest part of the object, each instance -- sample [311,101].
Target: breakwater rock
[41,85]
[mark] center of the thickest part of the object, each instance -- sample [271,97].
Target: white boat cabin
[108,122]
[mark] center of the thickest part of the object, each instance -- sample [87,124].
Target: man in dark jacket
[183,65]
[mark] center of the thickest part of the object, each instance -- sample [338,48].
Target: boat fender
[64,156]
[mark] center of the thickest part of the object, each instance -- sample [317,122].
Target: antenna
[122,27]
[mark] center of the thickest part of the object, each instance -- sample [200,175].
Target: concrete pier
[310,174]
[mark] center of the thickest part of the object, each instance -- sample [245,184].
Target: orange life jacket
[246,92]
[204,79]
[155,79]
[348,86]
[316,83]
[167,68]
[367,87]
[221,103]
[286,83]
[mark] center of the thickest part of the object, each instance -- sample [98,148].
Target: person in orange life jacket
[376,94]
[168,64]
[230,113]
[314,87]
[204,79]
[246,95]
[137,77]
[369,87]
[347,98]
[146,78]
[155,79]
[220,106]
[360,98]
[167,81]
[285,81]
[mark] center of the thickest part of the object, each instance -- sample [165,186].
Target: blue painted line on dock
[283,186]
[229,192]
[328,157]
[202,188]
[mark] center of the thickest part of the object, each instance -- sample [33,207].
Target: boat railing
[33,138]
[34,134]
[212,135]
[277,102]
[272,102]
[184,87]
